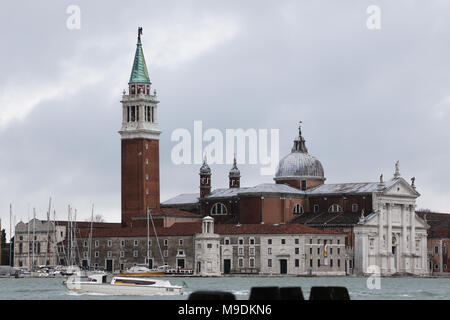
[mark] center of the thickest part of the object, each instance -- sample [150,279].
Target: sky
[367,97]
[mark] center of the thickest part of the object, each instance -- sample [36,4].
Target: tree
[97,218]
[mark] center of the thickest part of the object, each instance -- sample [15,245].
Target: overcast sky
[367,98]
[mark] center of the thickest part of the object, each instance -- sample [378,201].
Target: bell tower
[139,142]
[234,176]
[205,179]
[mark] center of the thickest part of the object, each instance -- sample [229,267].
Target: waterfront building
[36,243]
[438,242]
[1,243]
[378,217]
[297,225]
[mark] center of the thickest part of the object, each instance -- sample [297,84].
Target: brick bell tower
[140,143]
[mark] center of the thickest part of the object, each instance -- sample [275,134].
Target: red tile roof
[439,223]
[289,228]
[171,212]
[191,228]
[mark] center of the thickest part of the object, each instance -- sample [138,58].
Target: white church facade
[393,239]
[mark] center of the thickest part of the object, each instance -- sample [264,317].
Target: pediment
[401,188]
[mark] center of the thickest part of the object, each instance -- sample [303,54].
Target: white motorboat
[123,286]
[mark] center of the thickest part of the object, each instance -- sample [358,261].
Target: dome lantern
[300,169]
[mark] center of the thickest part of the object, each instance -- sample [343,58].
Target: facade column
[141,113]
[412,237]
[124,117]
[380,238]
[155,118]
[389,236]
[404,245]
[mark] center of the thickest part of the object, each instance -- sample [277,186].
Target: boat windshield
[134,281]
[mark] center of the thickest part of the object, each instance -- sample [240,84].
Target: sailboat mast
[75,248]
[90,238]
[55,241]
[69,237]
[28,237]
[148,239]
[11,263]
[10,236]
[34,235]
[48,231]
[156,235]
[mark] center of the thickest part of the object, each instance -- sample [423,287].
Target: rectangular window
[180,242]
[97,254]
[339,250]
[297,263]
[241,262]
[296,241]
[166,242]
[318,250]
[303,184]
[310,263]
[136,242]
[297,250]
[436,249]
[269,263]
[109,243]
[283,241]
[310,250]
[252,262]
[269,241]
[122,243]
[331,262]
[269,250]
[166,253]
[241,241]
[318,262]
[135,253]
[339,262]
[85,244]
[209,245]
[252,241]
[122,254]
[97,243]
[316,208]
[109,254]
[241,250]
[252,251]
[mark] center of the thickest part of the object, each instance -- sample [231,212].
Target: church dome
[299,164]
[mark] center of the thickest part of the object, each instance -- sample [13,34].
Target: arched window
[298,208]
[335,208]
[218,209]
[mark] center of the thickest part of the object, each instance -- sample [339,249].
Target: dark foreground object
[277,293]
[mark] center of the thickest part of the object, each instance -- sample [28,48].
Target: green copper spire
[139,73]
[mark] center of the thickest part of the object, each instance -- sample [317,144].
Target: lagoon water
[390,288]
